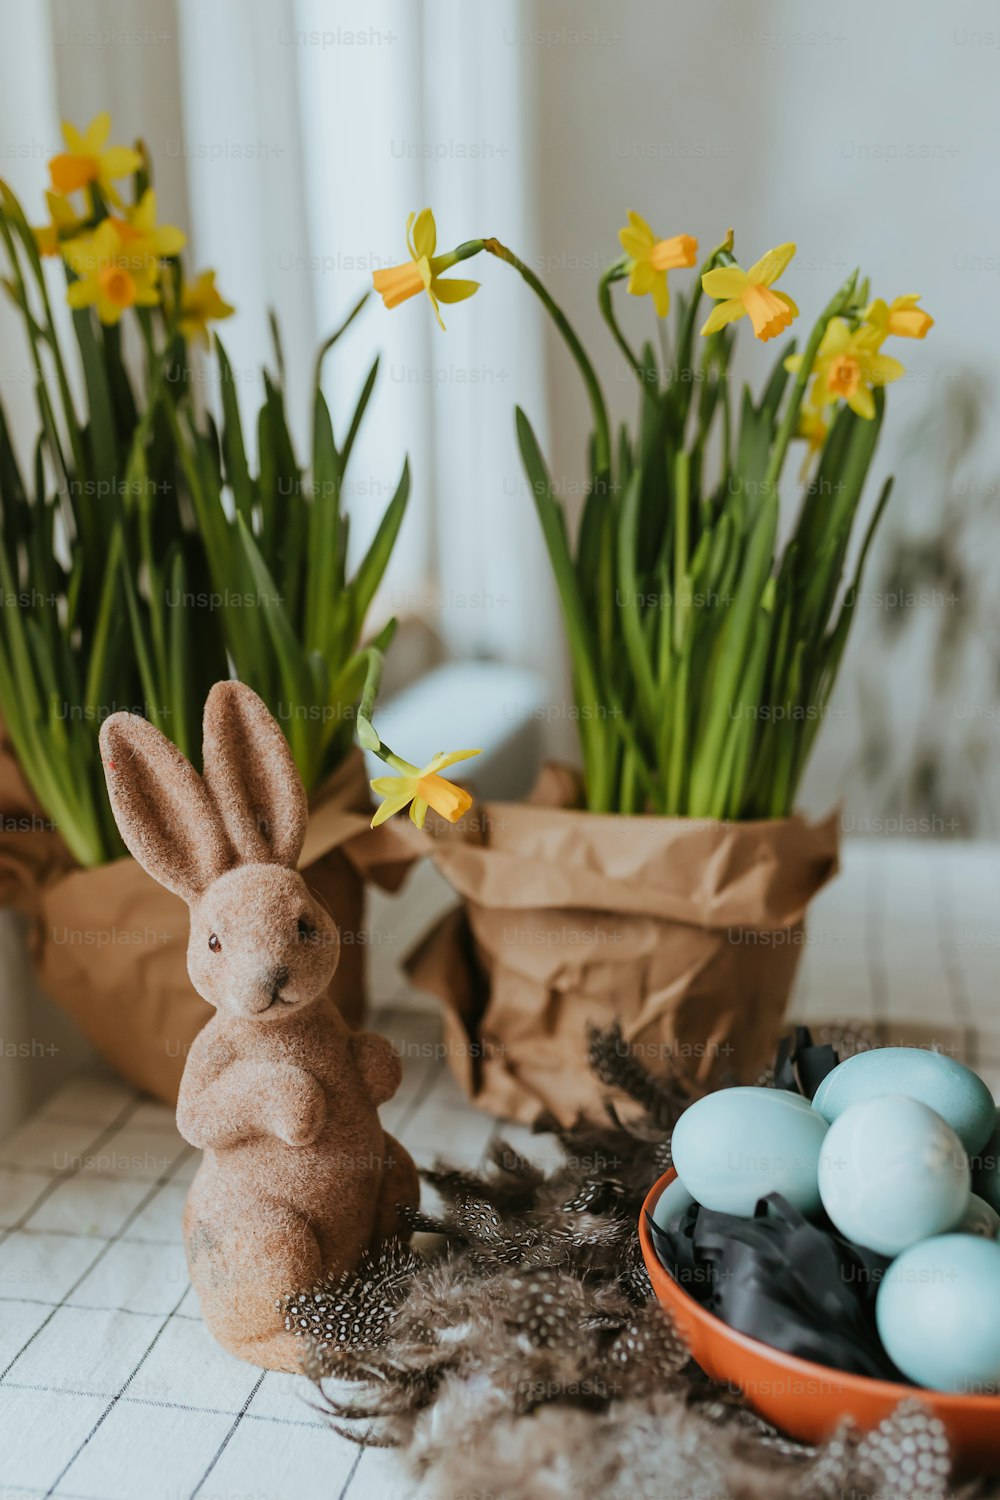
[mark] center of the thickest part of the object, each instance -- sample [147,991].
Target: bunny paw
[303,1119]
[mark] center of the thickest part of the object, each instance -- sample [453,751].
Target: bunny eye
[214,944]
[306,930]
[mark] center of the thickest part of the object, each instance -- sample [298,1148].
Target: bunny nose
[278,978]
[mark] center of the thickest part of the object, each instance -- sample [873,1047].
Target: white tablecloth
[110,1387]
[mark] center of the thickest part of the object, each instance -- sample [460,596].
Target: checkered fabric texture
[110,1387]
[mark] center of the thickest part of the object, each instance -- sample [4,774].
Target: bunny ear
[162,807]
[252,777]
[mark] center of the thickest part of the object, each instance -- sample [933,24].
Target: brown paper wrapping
[687,932]
[110,943]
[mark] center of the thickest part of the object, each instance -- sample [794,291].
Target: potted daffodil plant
[142,557]
[665,885]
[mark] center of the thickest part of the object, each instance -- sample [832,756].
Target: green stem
[616,273]
[368,735]
[721,255]
[13,209]
[158,362]
[396,761]
[678,744]
[682,507]
[602,429]
[465,251]
[32,330]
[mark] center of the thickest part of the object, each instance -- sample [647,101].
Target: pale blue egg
[936,1313]
[959,1095]
[892,1172]
[986,1167]
[736,1145]
[979,1218]
[671,1204]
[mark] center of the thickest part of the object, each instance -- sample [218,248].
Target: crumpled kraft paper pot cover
[111,944]
[687,932]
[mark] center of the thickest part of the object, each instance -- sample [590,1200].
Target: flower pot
[110,943]
[686,932]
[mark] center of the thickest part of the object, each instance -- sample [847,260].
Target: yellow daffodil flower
[848,367]
[87,159]
[737,292]
[201,304]
[420,273]
[902,317]
[652,259]
[118,265]
[64,223]
[422,789]
[143,237]
[111,275]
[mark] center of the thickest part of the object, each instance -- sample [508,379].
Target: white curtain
[28,114]
[291,138]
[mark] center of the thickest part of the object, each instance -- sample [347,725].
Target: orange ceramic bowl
[806,1400]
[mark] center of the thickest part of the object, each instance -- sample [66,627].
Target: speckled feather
[527,1358]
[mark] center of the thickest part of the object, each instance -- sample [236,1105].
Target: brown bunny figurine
[298,1177]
